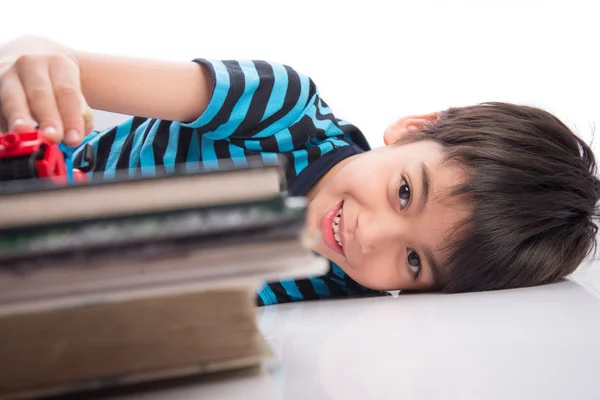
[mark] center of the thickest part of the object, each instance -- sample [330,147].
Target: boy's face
[392,234]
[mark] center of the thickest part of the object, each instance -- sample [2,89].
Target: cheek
[367,175]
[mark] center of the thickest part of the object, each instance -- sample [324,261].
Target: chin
[330,255]
[324,251]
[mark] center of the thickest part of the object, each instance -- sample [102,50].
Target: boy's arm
[50,84]
[167,90]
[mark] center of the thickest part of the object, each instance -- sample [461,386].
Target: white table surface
[535,343]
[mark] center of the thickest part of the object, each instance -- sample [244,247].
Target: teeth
[338,239]
[336,228]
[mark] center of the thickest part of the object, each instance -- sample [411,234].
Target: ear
[407,126]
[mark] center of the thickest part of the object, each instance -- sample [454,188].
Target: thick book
[104,295]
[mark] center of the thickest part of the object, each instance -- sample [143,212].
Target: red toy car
[28,155]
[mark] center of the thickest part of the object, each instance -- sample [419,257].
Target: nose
[377,232]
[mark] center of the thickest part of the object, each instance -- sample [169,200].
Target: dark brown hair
[533,189]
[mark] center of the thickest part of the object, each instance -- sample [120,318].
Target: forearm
[175,91]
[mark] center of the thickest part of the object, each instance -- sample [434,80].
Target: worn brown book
[73,348]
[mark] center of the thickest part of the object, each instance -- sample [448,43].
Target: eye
[404,194]
[414,262]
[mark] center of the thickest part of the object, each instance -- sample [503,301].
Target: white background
[373,61]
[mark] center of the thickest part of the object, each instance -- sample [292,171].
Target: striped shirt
[257,108]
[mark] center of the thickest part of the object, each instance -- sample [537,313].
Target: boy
[476,198]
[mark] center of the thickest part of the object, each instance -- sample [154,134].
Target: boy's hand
[40,85]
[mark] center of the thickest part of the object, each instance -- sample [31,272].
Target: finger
[15,110]
[88,119]
[64,76]
[3,125]
[40,97]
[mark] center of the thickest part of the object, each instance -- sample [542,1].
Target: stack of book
[137,279]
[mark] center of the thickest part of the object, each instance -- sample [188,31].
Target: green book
[151,234]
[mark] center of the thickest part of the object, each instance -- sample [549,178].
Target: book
[103,296]
[73,350]
[122,195]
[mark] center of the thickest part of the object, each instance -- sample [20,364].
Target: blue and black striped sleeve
[249,100]
[253,98]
